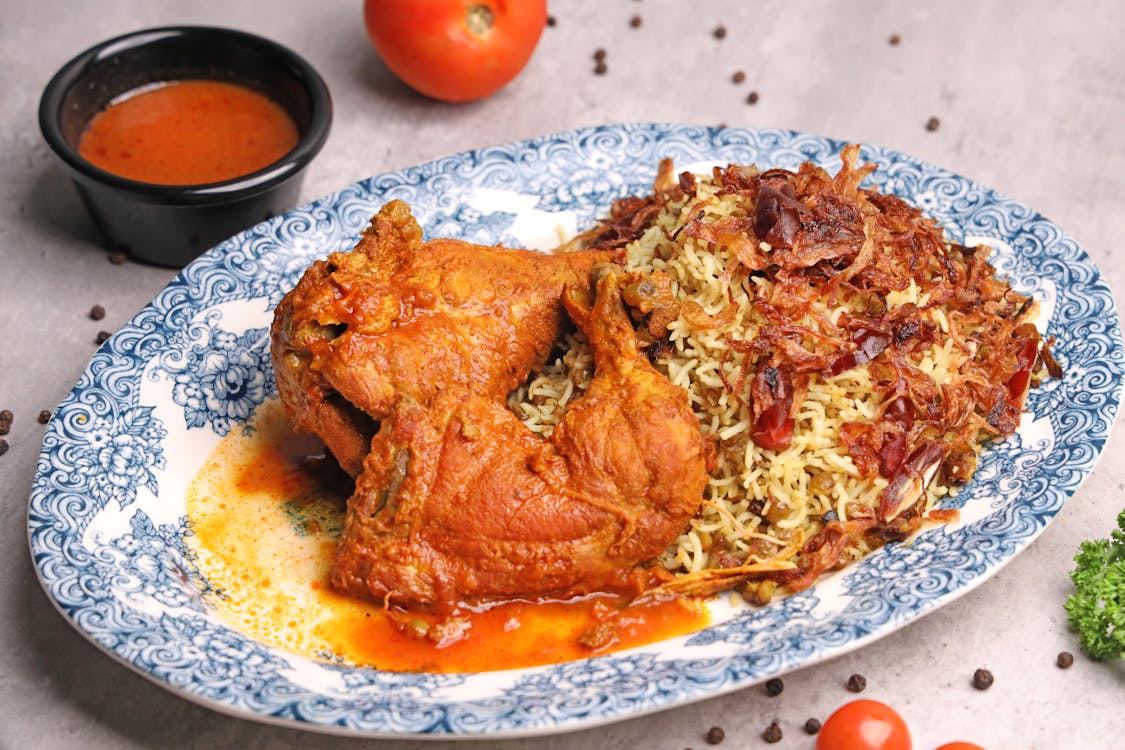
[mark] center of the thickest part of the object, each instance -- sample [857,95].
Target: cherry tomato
[455,50]
[959,746]
[864,725]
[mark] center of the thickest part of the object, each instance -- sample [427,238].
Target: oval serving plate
[107,519]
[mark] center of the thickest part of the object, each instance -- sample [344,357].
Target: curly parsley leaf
[1097,607]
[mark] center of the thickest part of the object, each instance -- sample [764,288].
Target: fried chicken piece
[460,501]
[401,318]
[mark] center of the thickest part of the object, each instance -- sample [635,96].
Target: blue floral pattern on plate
[106,515]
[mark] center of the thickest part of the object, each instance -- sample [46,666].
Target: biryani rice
[759,504]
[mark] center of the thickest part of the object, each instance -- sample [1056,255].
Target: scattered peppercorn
[600,68]
[6,418]
[3,446]
[772,733]
[1065,660]
[720,32]
[812,726]
[599,54]
[715,735]
[551,21]
[738,76]
[894,40]
[118,259]
[44,417]
[933,124]
[982,679]
[857,683]
[774,686]
[102,337]
[97,312]
[635,22]
[752,98]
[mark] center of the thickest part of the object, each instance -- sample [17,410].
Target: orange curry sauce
[265,526]
[189,133]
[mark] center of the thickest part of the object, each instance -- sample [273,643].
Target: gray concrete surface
[1031,99]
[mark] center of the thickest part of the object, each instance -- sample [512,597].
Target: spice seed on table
[1065,660]
[857,683]
[812,726]
[982,679]
[894,40]
[44,417]
[720,32]
[933,124]
[635,22]
[738,77]
[102,337]
[3,446]
[117,259]
[774,687]
[715,735]
[773,733]
[752,98]
[97,312]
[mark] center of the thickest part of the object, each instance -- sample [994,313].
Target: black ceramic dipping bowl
[169,225]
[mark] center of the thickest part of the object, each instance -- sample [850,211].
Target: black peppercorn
[774,686]
[857,683]
[982,679]
[933,124]
[44,417]
[715,735]
[1065,660]
[772,733]
[812,726]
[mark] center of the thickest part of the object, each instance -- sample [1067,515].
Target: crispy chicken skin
[459,501]
[399,318]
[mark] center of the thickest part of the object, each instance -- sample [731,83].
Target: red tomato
[455,50]
[959,746]
[864,725]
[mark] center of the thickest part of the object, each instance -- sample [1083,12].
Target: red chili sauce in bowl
[190,132]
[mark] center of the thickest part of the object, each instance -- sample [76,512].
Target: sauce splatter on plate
[266,520]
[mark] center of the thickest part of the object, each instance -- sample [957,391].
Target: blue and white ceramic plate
[107,516]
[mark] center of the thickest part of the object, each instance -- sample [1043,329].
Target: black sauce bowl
[169,225]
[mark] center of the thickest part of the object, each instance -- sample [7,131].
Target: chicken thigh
[399,318]
[459,501]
